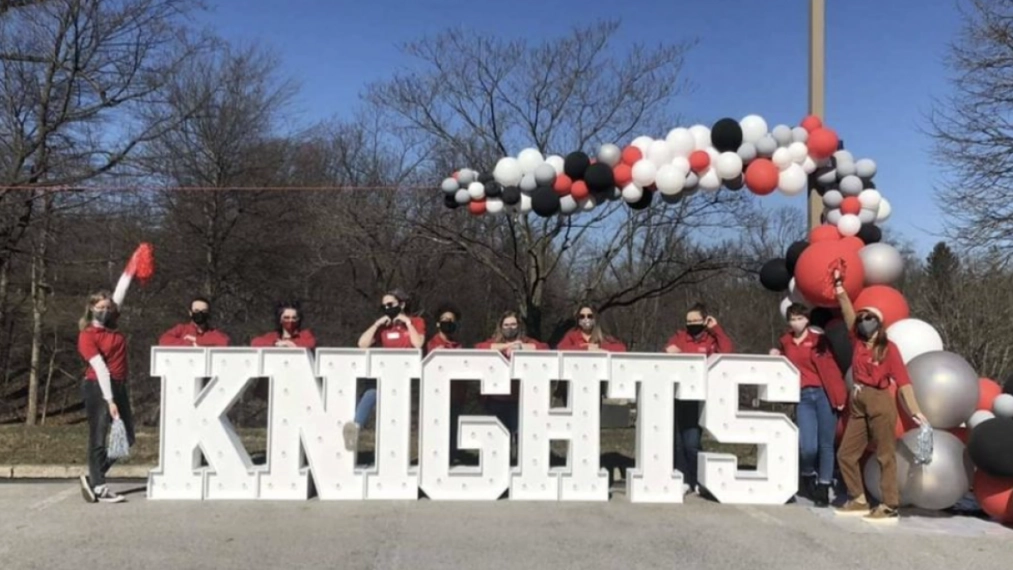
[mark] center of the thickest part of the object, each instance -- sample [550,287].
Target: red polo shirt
[439,342]
[865,369]
[711,341]
[574,340]
[209,337]
[396,335]
[111,345]
[302,338]
[515,386]
[801,355]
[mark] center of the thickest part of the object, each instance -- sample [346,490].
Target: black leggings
[98,426]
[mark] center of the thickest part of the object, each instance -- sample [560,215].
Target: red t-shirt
[865,370]
[396,335]
[302,338]
[801,355]
[209,337]
[111,345]
[439,342]
[711,341]
[574,340]
[515,386]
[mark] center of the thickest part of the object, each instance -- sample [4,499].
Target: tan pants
[872,416]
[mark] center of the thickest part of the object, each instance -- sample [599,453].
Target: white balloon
[809,165]
[728,165]
[701,136]
[913,338]
[588,204]
[525,203]
[660,153]
[884,211]
[507,172]
[681,141]
[870,199]
[670,180]
[681,163]
[833,199]
[792,180]
[1002,406]
[799,151]
[644,172]
[530,158]
[849,225]
[643,143]
[557,163]
[609,154]
[782,159]
[785,303]
[978,417]
[528,183]
[568,204]
[494,206]
[710,179]
[632,193]
[476,190]
[754,127]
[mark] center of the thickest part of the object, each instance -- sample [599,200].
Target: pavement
[47,525]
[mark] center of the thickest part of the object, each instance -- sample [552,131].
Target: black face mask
[694,330]
[200,318]
[447,327]
[392,311]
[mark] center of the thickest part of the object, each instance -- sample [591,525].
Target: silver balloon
[843,156]
[610,154]
[978,418]
[450,186]
[845,168]
[545,174]
[1002,406]
[834,216]
[747,152]
[865,168]
[462,196]
[528,183]
[946,388]
[851,185]
[882,262]
[766,146]
[943,481]
[873,477]
[833,199]
[867,216]
[466,176]
[799,134]
[782,134]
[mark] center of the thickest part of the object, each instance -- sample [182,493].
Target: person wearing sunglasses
[588,335]
[872,410]
[823,395]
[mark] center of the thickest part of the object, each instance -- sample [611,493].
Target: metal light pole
[817,90]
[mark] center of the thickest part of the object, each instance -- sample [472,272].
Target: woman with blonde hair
[508,337]
[588,334]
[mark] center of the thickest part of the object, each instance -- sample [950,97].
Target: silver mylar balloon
[610,154]
[873,477]
[1002,406]
[766,146]
[882,262]
[747,152]
[851,185]
[946,387]
[834,216]
[450,186]
[943,481]
[545,174]
[867,216]
[833,198]
[528,183]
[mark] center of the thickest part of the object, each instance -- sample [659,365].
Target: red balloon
[477,207]
[853,242]
[822,143]
[823,233]
[761,176]
[631,155]
[888,300]
[623,173]
[811,123]
[562,184]
[994,495]
[988,391]
[699,160]
[579,190]
[814,272]
[851,205]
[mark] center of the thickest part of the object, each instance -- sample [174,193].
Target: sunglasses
[866,318]
[586,316]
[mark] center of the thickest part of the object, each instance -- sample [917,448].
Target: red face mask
[290,326]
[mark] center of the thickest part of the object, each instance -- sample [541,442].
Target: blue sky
[885,64]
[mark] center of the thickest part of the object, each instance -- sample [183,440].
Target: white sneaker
[351,433]
[86,490]
[105,495]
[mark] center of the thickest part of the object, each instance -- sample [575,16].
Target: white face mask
[798,325]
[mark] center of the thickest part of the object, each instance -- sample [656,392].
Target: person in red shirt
[588,335]
[872,412]
[448,318]
[104,390]
[197,332]
[508,337]
[289,331]
[702,335]
[395,329]
[823,395]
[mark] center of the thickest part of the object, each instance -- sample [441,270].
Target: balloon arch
[972,419]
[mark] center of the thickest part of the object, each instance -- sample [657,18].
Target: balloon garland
[967,413]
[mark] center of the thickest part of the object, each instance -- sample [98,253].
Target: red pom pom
[142,263]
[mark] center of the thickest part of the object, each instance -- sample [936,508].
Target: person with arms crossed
[197,332]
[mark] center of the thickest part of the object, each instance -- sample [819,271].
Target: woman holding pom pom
[872,411]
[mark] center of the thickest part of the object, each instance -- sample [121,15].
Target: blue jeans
[687,440]
[366,404]
[817,424]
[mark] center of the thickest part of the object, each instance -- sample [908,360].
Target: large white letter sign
[393,477]
[661,378]
[491,478]
[775,480]
[194,417]
[582,479]
[307,412]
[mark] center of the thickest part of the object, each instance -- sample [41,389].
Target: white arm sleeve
[121,290]
[102,372]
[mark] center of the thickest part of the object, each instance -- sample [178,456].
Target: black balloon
[671,198]
[820,316]
[493,189]
[576,164]
[991,447]
[726,135]
[545,201]
[485,178]
[794,252]
[1008,387]
[599,177]
[870,233]
[774,275]
[450,201]
[736,183]
[840,343]
[644,201]
[511,195]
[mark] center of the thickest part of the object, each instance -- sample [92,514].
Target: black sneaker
[821,497]
[86,490]
[105,495]
[807,487]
